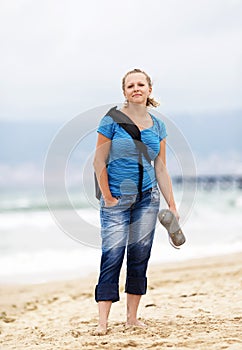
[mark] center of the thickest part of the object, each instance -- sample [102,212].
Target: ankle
[135,322]
[103,324]
[131,319]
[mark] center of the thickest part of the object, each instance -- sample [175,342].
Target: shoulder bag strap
[128,125]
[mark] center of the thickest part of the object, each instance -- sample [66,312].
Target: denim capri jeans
[129,227]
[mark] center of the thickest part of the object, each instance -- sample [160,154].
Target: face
[136,88]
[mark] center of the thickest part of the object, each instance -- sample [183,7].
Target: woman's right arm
[99,163]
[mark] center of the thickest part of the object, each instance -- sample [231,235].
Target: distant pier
[210,182]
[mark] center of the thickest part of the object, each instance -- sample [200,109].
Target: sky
[60,58]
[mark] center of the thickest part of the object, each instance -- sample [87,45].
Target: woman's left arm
[163,178]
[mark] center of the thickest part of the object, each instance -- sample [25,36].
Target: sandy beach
[189,305]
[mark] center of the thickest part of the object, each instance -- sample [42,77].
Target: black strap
[128,125]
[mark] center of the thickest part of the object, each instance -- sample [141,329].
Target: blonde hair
[150,100]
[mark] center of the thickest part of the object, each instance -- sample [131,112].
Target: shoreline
[172,257]
[189,304]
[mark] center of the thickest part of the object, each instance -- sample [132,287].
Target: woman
[128,218]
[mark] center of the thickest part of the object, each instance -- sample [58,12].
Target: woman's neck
[136,110]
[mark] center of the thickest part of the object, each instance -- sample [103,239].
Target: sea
[35,247]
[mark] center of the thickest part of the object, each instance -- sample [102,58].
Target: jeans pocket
[102,203]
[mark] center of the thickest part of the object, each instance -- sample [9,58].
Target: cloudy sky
[60,58]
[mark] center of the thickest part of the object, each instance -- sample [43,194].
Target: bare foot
[136,323]
[101,330]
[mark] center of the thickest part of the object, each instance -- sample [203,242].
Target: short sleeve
[106,127]
[162,129]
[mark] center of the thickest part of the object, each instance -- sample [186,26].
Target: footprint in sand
[30,306]
[5,318]
[9,319]
[75,333]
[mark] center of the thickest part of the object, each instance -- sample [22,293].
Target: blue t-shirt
[123,168]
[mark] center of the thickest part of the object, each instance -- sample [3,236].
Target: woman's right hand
[111,202]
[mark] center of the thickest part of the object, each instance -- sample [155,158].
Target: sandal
[170,222]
